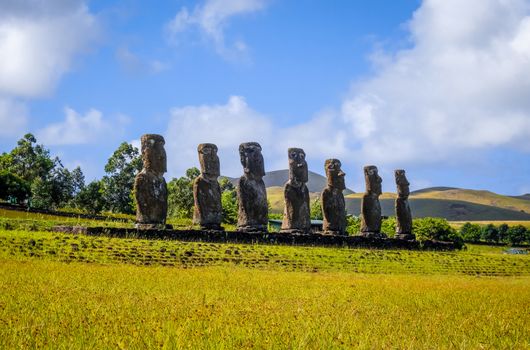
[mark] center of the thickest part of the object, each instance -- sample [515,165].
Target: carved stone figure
[370,206]
[208,211]
[333,206]
[251,193]
[403,214]
[150,186]
[296,216]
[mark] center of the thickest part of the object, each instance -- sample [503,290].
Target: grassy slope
[80,248]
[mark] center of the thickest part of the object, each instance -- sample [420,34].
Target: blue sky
[438,87]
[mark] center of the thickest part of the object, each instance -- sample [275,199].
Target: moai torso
[403,213]
[296,216]
[251,193]
[370,206]
[150,186]
[208,211]
[333,205]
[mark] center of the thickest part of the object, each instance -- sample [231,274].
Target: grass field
[47,304]
[61,291]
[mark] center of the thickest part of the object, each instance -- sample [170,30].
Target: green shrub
[518,234]
[437,229]
[353,225]
[388,226]
[471,232]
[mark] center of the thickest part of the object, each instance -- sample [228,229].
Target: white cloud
[13,118]
[38,41]
[464,85]
[225,125]
[79,129]
[211,18]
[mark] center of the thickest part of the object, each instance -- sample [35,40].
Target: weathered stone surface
[150,186]
[251,193]
[208,211]
[403,214]
[333,206]
[370,206]
[296,216]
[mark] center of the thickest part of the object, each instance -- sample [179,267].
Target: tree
[517,234]
[503,232]
[121,169]
[13,188]
[90,198]
[180,194]
[471,232]
[28,160]
[490,233]
[54,190]
[316,210]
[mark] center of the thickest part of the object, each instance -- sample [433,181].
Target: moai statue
[370,206]
[333,206]
[296,216]
[403,214]
[208,211]
[251,193]
[150,187]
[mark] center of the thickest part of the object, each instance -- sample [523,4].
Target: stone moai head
[252,159]
[402,183]
[209,160]
[373,180]
[335,174]
[153,153]
[297,165]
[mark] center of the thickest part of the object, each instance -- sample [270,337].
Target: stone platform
[271,238]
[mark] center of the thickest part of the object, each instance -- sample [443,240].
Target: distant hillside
[525,197]
[475,196]
[316,182]
[453,210]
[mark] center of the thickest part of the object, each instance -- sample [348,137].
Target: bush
[437,229]
[471,232]
[518,234]
[353,225]
[490,233]
[388,226]
[230,206]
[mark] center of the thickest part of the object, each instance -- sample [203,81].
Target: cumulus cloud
[79,129]
[211,19]
[230,124]
[463,85]
[225,125]
[38,41]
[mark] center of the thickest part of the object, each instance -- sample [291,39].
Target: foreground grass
[49,304]
[478,260]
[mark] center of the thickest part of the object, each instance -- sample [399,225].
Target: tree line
[29,175]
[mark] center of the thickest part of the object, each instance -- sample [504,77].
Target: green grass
[52,305]
[81,248]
